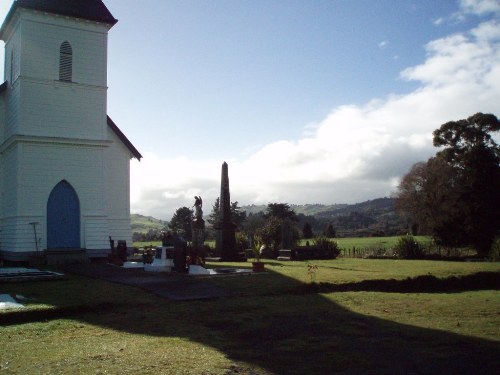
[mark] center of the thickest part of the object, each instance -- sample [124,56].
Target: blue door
[63,217]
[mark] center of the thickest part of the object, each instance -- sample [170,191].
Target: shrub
[376,250]
[327,245]
[242,242]
[408,248]
[495,251]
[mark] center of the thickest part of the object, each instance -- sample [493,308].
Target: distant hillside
[306,209]
[142,224]
[327,211]
[374,207]
[374,217]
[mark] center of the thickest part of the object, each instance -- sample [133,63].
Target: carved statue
[198,204]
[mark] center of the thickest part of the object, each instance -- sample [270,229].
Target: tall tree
[254,222]
[307,232]
[280,228]
[428,197]
[329,231]
[456,194]
[281,211]
[214,215]
[181,222]
[238,217]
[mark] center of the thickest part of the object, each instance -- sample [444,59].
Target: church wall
[11,75]
[117,172]
[12,64]
[12,113]
[18,238]
[9,198]
[45,165]
[2,118]
[41,44]
[57,109]
[9,183]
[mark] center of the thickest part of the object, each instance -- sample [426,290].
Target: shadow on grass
[299,265]
[419,284]
[299,331]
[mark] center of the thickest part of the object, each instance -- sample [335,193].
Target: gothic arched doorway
[63,217]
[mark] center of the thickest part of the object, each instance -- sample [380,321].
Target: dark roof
[93,10]
[124,139]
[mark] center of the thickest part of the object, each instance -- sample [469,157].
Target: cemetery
[77,297]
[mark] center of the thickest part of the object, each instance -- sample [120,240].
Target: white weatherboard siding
[42,36]
[53,131]
[117,173]
[60,109]
[45,165]
[11,118]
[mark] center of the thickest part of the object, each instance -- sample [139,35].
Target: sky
[308,101]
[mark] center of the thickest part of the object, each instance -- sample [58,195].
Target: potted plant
[257,265]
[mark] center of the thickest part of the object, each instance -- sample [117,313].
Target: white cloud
[480,7]
[383,44]
[439,21]
[470,7]
[356,152]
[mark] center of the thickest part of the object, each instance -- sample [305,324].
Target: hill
[373,217]
[143,224]
[376,217]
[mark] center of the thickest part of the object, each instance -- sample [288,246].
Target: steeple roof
[93,10]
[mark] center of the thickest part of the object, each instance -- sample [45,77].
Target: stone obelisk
[225,242]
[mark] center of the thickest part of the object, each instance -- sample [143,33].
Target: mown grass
[369,242]
[344,243]
[277,323]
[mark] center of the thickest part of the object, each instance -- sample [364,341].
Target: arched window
[65,62]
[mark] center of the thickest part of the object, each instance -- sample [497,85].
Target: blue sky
[308,101]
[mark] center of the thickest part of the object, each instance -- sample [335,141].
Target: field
[344,243]
[345,316]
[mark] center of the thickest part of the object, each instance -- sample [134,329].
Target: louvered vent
[65,62]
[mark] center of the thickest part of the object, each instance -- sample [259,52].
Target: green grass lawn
[344,243]
[368,242]
[359,316]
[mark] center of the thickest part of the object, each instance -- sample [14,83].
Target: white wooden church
[64,164]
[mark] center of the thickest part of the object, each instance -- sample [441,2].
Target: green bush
[408,248]
[328,245]
[242,242]
[376,250]
[495,251]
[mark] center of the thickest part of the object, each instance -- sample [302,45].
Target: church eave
[135,153]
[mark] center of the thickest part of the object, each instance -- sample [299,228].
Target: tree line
[455,195]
